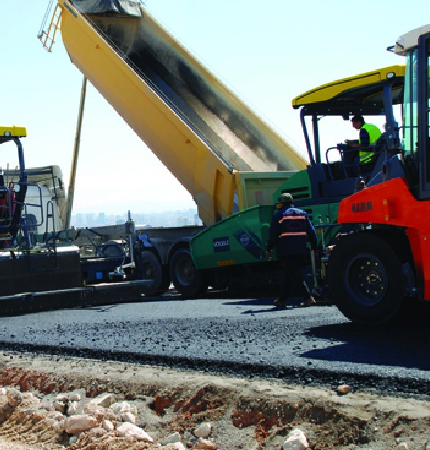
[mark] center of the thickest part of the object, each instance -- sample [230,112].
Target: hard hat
[285,197]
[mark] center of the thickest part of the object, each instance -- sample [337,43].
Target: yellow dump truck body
[204,134]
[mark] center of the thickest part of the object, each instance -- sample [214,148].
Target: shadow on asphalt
[268,303]
[265,302]
[398,346]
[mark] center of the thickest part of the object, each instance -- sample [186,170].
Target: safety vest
[293,235]
[296,228]
[374,135]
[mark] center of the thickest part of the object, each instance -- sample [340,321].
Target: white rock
[3,391]
[203,430]
[403,446]
[108,425]
[75,397]
[62,398]
[128,417]
[129,430]
[14,397]
[205,444]
[79,423]
[296,441]
[93,409]
[176,446]
[173,438]
[343,389]
[73,408]
[123,407]
[188,436]
[105,400]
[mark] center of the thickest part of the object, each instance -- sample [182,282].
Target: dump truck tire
[188,281]
[153,270]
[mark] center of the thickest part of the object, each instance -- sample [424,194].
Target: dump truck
[234,165]
[379,266]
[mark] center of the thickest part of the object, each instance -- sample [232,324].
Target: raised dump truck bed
[204,134]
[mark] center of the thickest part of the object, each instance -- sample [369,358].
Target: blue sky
[267,52]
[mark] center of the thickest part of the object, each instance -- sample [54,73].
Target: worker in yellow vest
[369,134]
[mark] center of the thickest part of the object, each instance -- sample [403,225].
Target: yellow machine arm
[204,134]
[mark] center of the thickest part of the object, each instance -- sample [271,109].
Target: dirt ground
[171,405]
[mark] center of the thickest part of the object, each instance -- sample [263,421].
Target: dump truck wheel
[365,279]
[188,281]
[151,269]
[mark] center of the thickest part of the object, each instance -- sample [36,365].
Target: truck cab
[415,46]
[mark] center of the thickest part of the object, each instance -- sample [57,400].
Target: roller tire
[365,279]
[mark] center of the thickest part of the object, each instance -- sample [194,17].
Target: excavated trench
[243,413]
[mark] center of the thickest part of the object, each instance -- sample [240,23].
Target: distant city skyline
[168,218]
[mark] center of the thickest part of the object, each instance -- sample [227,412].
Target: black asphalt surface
[246,337]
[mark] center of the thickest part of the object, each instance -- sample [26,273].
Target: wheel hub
[366,279]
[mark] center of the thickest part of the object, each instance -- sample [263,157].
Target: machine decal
[250,242]
[221,244]
[244,240]
[361,207]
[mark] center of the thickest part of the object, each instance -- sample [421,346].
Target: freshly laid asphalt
[244,336]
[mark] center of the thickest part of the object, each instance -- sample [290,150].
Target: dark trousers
[292,285]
